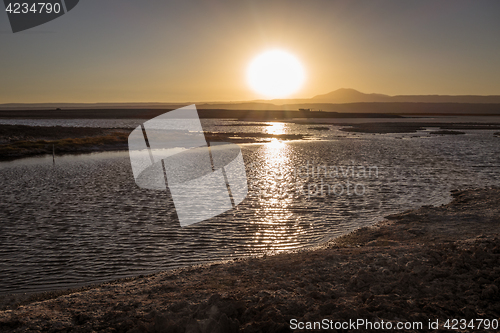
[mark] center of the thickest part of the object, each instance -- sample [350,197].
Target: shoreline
[440,128]
[19,141]
[430,263]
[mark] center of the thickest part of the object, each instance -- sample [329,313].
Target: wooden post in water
[53,154]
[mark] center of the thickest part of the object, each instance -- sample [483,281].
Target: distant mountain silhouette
[344,95]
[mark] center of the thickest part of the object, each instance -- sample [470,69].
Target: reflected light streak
[276,128]
[276,224]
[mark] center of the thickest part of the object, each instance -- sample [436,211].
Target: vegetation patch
[447,132]
[319,128]
[37,147]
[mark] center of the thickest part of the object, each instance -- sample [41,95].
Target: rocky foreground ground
[433,263]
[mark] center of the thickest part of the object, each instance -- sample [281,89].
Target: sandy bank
[434,263]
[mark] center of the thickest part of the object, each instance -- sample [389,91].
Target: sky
[199,50]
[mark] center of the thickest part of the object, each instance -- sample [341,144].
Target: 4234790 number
[35,8]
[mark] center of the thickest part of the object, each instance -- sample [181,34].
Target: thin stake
[53,154]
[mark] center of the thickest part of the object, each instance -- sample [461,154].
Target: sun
[275,74]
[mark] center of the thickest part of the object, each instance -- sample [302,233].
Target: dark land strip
[413,127]
[18,141]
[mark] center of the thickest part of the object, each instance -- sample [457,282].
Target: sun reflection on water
[276,128]
[277,227]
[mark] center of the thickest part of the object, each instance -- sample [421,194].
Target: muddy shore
[432,263]
[17,141]
[413,127]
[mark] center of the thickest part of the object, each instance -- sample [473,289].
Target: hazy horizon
[275,101]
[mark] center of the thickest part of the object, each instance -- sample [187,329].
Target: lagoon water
[84,220]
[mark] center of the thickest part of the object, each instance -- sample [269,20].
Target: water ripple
[84,220]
